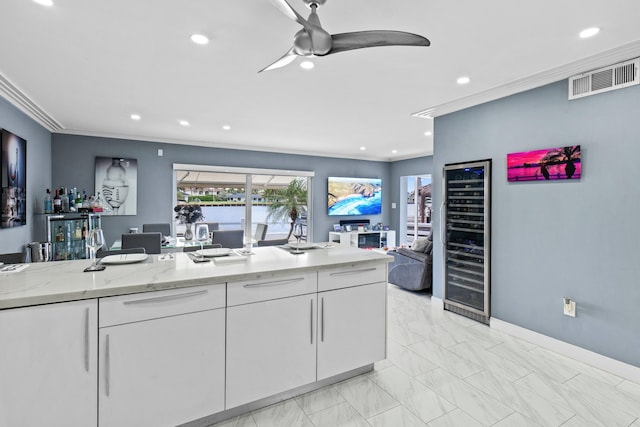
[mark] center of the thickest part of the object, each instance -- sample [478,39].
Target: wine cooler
[466,237]
[67,234]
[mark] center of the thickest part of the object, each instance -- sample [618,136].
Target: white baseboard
[437,302]
[596,360]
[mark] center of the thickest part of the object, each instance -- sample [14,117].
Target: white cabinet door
[271,347]
[48,363]
[352,328]
[162,372]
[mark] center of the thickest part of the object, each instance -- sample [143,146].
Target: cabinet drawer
[268,287]
[354,275]
[152,305]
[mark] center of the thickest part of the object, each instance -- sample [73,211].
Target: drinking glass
[202,235]
[297,233]
[95,241]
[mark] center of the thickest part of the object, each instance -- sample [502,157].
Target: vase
[188,233]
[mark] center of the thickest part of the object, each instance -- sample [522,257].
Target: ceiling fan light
[307,65]
[589,32]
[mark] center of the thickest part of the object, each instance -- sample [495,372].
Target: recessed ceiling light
[394,151]
[363,148]
[199,39]
[184,122]
[428,133]
[44,2]
[589,32]
[226,127]
[135,117]
[463,80]
[307,65]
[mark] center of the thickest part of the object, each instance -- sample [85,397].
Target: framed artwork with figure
[13,167]
[117,185]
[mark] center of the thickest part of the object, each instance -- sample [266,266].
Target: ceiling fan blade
[285,60]
[287,9]
[362,39]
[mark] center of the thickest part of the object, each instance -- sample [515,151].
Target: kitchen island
[167,341]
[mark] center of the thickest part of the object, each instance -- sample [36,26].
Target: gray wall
[556,239]
[409,167]
[77,154]
[38,173]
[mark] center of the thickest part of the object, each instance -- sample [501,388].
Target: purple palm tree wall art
[550,164]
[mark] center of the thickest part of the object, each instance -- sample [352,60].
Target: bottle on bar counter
[65,199]
[48,202]
[57,203]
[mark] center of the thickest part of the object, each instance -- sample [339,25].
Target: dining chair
[261,231]
[151,241]
[101,253]
[164,228]
[228,238]
[13,258]
[273,242]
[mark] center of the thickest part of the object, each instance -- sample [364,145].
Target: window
[245,198]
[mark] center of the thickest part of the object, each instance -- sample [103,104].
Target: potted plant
[290,202]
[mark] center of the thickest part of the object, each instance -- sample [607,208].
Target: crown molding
[212,144]
[20,100]
[602,59]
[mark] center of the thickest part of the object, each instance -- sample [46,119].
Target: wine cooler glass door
[466,239]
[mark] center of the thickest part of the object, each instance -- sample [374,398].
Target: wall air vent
[605,79]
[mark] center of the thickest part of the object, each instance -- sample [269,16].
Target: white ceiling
[83,66]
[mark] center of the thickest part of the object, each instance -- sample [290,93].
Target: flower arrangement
[188,214]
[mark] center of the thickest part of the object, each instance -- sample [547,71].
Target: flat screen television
[354,196]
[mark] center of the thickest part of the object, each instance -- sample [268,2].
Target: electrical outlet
[569,307]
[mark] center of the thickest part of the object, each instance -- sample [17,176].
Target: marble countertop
[50,282]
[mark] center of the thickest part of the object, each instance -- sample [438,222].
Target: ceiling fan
[313,40]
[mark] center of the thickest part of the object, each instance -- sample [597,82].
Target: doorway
[415,208]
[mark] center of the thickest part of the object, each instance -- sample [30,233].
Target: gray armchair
[411,270]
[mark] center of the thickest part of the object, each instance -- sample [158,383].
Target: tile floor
[445,370]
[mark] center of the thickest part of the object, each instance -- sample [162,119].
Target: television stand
[364,239]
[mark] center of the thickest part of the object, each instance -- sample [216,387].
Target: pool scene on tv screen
[354,196]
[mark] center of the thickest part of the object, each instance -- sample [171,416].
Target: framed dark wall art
[117,184]
[550,164]
[13,158]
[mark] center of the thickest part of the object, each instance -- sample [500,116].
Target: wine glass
[95,241]
[202,235]
[297,233]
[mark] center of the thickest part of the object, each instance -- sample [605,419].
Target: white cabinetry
[271,345]
[48,364]
[352,320]
[161,357]
[364,239]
